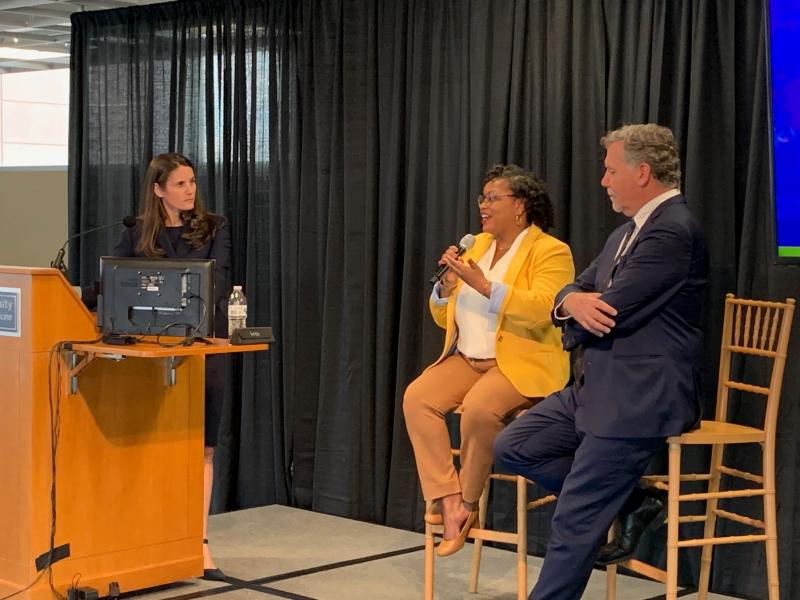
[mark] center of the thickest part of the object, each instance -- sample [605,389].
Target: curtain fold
[346,141]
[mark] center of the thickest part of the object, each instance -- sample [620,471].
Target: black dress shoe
[213,575]
[633,522]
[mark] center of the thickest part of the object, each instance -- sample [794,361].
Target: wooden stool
[750,328]
[479,533]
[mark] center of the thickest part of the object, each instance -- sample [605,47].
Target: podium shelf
[148,348]
[81,355]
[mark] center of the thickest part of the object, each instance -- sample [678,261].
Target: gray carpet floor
[281,552]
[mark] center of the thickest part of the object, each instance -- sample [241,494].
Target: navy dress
[217,247]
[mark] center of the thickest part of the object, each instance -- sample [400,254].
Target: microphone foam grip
[466,242]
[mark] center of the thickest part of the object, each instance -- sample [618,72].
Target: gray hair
[651,144]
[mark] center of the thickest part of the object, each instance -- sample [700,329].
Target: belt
[478,362]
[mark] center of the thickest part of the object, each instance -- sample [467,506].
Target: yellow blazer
[527,345]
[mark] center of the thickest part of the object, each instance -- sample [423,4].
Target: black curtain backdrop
[346,141]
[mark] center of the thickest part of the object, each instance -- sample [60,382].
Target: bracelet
[487,287]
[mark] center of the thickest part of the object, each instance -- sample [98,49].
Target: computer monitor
[156,296]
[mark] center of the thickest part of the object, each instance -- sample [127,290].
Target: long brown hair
[201,225]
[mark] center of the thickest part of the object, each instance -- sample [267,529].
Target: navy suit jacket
[641,379]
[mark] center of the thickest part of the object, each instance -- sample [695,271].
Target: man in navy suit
[633,317]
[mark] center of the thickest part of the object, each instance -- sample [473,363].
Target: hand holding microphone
[451,269]
[449,278]
[452,253]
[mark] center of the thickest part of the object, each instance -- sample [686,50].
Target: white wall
[33,215]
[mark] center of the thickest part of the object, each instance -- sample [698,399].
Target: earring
[516,219]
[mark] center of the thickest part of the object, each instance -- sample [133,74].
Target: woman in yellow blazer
[501,351]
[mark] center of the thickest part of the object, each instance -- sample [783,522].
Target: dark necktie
[629,229]
[577,353]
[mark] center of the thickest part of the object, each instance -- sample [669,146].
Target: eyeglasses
[492,198]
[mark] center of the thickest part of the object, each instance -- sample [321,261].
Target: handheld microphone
[464,244]
[58,261]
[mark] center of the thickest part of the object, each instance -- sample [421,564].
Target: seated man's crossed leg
[592,476]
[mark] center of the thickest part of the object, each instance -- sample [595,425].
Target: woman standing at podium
[173,223]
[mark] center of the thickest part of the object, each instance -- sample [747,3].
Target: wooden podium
[129,461]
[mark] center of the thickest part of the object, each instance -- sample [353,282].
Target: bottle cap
[237,287]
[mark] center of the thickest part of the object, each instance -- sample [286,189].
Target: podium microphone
[464,244]
[58,261]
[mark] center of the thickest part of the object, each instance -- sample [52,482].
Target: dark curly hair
[528,188]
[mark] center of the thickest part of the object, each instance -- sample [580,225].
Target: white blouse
[477,325]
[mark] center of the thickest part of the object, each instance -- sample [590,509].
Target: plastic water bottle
[237,310]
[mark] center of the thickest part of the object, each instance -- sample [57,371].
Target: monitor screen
[784,44]
[156,296]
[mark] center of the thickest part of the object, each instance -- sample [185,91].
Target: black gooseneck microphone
[58,261]
[464,244]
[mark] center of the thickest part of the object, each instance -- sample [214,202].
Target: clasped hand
[590,311]
[469,272]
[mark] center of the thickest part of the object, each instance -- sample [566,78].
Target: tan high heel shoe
[448,547]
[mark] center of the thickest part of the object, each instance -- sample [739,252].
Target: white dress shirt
[639,219]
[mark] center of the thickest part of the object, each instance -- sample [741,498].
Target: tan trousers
[488,398]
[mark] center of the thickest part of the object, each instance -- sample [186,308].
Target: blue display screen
[784,24]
